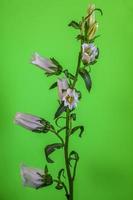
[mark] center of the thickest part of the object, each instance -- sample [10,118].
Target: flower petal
[62,86]
[44,63]
[32,177]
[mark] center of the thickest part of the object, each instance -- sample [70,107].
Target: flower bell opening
[70,98]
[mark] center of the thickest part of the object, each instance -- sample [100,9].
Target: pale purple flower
[89,53]
[32,123]
[46,64]
[70,98]
[32,177]
[62,87]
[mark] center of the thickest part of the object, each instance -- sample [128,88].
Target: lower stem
[70,180]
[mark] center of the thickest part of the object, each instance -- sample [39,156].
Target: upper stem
[77,69]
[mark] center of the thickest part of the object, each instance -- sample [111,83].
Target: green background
[105,170]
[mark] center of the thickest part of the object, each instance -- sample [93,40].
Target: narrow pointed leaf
[53,85]
[80,128]
[56,62]
[60,110]
[80,37]
[73,116]
[57,121]
[50,149]
[100,10]
[59,186]
[74,24]
[61,173]
[73,156]
[94,38]
[46,169]
[86,77]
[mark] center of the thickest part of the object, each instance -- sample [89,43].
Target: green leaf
[68,74]
[60,110]
[81,128]
[80,37]
[53,85]
[56,62]
[86,28]
[59,186]
[73,116]
[74,24]
[46,169]
[61,173]
[73,156]
[86,77]
[100,10]
[94,38]
[57,120]
[50,149]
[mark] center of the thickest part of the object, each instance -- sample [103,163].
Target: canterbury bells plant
[68,99]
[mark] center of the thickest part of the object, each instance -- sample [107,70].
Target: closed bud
[32,123]
[91,13]
[92,24]
[92,31]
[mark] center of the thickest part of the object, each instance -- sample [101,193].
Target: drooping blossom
[35,178]
[48,65]
[32,122]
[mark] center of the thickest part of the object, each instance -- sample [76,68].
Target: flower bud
[92,24]
[32,123]
[48,65]
[92,31]
[62,87]
[89,53]
[35,178]
[91,18]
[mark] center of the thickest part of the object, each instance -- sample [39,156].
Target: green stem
[68,129]
[77,70]
[66,146]
[56,133]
